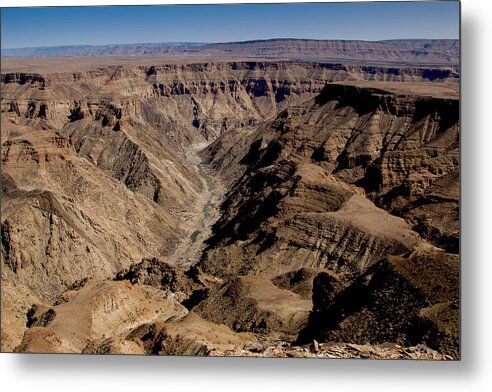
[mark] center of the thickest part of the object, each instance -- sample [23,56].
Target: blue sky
[26,27]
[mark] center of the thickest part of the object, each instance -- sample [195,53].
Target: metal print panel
[271,180]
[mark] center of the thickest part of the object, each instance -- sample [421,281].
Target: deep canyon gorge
[269,207]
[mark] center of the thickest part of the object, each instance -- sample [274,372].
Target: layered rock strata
[340,219]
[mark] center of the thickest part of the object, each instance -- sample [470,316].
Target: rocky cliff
[341,183]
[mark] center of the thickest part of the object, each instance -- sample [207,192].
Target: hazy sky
[24,27]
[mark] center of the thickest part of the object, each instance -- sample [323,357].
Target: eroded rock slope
[351,182]
[330,188]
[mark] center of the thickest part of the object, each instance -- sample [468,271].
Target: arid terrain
[251,204]
[422,51]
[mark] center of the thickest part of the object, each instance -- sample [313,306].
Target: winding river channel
[197,222]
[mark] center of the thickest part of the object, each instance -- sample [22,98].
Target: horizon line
[201,43]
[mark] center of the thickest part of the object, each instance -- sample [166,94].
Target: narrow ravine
[197,221]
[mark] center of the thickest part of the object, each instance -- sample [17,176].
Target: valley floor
[196,221]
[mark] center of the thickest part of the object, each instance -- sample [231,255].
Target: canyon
[232,206]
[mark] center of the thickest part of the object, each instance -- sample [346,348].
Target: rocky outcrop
[190,335]
[24,78]
[288,216]
[298,281]
[96,311]
[17,300]
[436,214]
[190,285]
[408,300]
[255,304]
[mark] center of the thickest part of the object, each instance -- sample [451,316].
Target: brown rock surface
[255,304]
[189,335]
[341,350]
[410,299]
[298,281]
[297,200]
[190,285]
[398,148]
[96,311]
[287,217]
[17,300]
[322,184]
[193,335]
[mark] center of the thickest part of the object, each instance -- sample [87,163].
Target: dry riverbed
[198,220]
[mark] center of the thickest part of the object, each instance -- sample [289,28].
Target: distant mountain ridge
[96,50]
[415,51]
